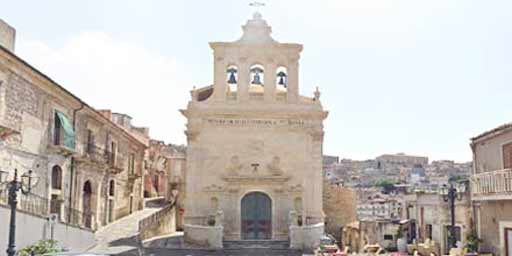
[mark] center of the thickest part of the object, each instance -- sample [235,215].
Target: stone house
[433,218]
[164,168]
[491,183]
[89,166]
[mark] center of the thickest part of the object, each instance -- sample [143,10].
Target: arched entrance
[87,204]
[256,216]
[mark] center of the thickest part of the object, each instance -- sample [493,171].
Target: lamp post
[451,193]
[25,184]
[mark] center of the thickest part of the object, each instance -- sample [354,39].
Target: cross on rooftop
[257,5]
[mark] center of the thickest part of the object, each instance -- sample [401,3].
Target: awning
[69,133]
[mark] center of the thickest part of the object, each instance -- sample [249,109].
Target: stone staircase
[231,248]
[256,244]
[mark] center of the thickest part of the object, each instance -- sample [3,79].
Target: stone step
[246,244]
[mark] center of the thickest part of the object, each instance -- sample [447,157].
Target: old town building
[89,162]
[492,189]
[165,168]
[254,154]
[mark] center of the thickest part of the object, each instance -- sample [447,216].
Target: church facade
[254,155]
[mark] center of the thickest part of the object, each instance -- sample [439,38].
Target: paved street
[223,252]
[120,236]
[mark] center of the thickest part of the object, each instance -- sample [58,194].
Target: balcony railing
[492,185]
[96,154]
[115,162]
[39,206]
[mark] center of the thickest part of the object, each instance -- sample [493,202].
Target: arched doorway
[87,204]
[256,216]
[110,200]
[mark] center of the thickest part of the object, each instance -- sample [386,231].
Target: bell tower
[256,68]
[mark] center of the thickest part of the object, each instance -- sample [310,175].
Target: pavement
[121,235]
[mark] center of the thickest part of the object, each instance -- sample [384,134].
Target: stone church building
[254,156]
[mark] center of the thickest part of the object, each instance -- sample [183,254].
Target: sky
[412,76]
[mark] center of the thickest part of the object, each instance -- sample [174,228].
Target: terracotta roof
[493,131]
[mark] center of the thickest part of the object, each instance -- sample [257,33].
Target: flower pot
[401,244]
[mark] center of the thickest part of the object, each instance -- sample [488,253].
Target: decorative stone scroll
[214,188]
[234,167]
[296,188]
[274,167]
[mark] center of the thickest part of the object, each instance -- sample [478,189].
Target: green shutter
[69,133]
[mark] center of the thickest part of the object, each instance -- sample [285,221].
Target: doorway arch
[256,216]
[87,204]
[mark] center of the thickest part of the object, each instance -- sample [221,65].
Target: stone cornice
[311,114]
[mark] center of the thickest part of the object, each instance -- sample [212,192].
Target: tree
[385,185]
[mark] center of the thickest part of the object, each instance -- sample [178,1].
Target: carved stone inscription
[258,122]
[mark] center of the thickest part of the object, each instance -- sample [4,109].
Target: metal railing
[490,183]
[115,161]
[39,206]
[96,153]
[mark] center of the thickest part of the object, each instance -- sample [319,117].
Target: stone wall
[488,155]
[306,237]
[339,208]
[31,229]
[159,223]
[492,214]
[7,36]
[204,236]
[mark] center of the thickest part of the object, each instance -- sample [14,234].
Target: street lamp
[450,193]
[25,184]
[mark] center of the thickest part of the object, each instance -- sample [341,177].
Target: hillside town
[252,179]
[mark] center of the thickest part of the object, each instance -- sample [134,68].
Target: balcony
[94,155]
[115,162]
[494,185]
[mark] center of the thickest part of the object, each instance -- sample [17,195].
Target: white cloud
[109,73]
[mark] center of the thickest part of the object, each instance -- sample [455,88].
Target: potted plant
[401,242]
[211,221]
[472,242]
[299,220]
[40,248]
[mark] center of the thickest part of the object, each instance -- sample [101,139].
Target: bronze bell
[282,77]
[232,78]
[256,78]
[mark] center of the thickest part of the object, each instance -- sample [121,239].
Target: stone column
[270,82]
[243,80]
[219,78]
[292,94]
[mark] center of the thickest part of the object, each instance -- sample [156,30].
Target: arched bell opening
[232,81]
[281,83]
[257,78]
